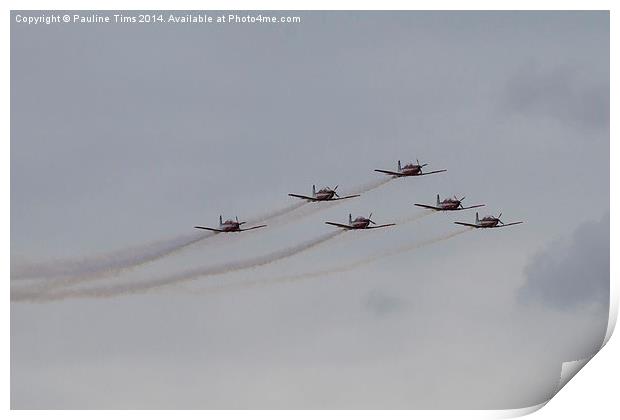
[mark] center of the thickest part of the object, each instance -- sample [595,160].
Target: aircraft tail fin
[399,169]
[220,220]
[477,219]
[437,200]
[350,219]
[313,190]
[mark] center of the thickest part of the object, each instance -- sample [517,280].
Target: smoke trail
[309,208]
[103,264]
[414,217]
[74,271]
[114,263]
[373,185]
[339,269]
[276,213]
[126,289]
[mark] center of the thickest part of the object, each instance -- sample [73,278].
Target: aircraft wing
[208,228]
[509,224]
[467,224]
[253,227]
[432,172]
[388,172]
[345,197]
[427,207]
[340,225]
[471,207]
[381,226]
[303,197]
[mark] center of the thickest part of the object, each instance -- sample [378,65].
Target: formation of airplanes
[361,222]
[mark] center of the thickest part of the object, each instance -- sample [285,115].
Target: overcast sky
[122,135]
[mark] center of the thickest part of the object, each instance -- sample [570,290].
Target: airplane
[409,169]
[488,222]
[448,204]
[359,223]
[324,194]
[229,226]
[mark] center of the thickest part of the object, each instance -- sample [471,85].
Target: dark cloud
[573,272]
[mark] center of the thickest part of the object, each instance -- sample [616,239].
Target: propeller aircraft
[488,222]
[360,223]
[410,169]
[448,204]
[229,226]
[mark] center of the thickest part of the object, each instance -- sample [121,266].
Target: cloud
[561,94]
[574,272]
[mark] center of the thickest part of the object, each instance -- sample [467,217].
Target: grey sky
[124,135]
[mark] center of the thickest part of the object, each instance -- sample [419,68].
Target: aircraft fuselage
[324,195]
[360,223]
[230,226]
[411,170]
[449,205]
[488,222]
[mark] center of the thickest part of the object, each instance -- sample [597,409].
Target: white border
[594,393]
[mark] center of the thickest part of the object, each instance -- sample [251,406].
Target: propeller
[460,201]
[237,219]
[334,190]
[422,165]
[499,217]
[370,220]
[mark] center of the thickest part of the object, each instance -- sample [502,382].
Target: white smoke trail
[116,262]
[339,269]
[61,273]
[133,288]
[276,213]
[310,208]
[414,217]
[373,185]
[113,262]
